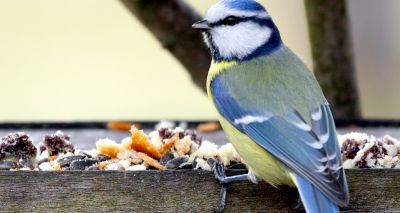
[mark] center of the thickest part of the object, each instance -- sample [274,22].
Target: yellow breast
[260,162]
[215,69]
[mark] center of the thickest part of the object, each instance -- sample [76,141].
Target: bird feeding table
[174,191]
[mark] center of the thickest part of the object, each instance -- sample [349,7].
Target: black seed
[87,155]
[167,157]
[82,164]
[7,165]
[101,158]
[175,163]
[238,166]
[194,163]
[233,162]
[66,161]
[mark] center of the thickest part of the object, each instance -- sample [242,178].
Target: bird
[271,107]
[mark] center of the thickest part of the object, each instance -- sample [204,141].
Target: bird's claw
[219,173]
[220,176]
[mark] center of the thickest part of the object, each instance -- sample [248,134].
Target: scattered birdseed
[167,148]
[56,144]
[17,145]
[363,151]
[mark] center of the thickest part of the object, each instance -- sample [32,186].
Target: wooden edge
[172,191]
[340,123]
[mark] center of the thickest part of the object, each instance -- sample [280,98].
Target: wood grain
[174,191]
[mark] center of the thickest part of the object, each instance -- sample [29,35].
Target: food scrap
[164,148]
[363,151]
[17,145]
[57,143]
[121,126]
[209,127]
[141,143]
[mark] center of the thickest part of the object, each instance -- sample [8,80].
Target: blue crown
[249,5]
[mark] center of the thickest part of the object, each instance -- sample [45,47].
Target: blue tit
[270,105]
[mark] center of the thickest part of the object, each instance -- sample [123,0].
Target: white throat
[240,40]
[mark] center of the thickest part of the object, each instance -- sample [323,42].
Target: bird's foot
[224,181]
[219,173]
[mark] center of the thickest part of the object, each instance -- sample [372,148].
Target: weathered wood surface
[174,191]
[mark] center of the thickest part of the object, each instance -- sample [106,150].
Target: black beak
[202,25]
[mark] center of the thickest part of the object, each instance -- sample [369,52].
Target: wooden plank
[174,191]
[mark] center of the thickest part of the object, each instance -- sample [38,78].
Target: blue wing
[309,150]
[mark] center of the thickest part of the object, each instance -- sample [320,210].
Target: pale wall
[92,60]
[376,35]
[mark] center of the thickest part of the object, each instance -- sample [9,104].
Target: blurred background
[93,60]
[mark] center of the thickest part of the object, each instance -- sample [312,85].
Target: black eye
[230,20]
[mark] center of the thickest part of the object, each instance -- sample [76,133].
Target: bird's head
[238,30]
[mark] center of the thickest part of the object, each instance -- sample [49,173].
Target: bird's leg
[297,205]
[221,177]
[224,199]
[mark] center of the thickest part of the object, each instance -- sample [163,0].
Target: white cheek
[240,40]
[205,38]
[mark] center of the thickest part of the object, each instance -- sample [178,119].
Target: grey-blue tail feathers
[313,200]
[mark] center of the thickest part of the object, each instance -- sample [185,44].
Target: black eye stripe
[223,21]
[239,20]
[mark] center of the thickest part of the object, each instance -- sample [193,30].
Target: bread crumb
[126,143]
[150,161]
[171,142]
[46,166]
[114,167]
[209,127]
[206,150]
[227,153]
[182,146]
[124,163]
[108,147]
[140,143]
[136,168]
[103,164]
